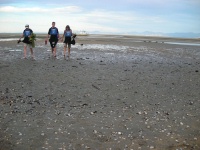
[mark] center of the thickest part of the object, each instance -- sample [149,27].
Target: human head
[26,26]
[53,24]
[68,27]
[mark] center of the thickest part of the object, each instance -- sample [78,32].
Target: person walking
[54,36]
[27,43]
[67,40]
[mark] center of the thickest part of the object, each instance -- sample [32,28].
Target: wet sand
[113,93]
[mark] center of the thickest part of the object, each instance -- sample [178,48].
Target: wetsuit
[27,33]
[53,31]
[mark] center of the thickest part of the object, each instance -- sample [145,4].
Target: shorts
[28,45]
[67,45]
[67,42]
[53,42]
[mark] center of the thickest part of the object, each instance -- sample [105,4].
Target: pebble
[148,127]
[120,133]
[42,134]
[151,147]
[20,133]
[95,131]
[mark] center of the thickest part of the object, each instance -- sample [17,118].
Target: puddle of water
[103,47]
[9,39]
[177,43]
[15,50]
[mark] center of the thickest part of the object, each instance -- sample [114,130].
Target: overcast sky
[114,16]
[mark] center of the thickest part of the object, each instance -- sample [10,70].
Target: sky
[104,16]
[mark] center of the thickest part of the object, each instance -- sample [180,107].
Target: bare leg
[65,51]
[31,52]
[25,52]
[68,52]
[54,52]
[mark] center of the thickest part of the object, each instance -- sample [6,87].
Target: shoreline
[134,37]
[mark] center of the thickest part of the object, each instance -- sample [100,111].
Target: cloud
[12,9]
[90,20]
[119,18]
[113,21]
[67,9]
[137,16]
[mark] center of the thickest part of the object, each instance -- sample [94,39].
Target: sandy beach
[114,93]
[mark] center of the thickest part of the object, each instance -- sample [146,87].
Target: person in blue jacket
[26,35]
[54,36]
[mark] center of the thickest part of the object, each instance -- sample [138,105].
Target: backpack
[73,41]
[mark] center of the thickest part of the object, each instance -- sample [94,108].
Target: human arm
[73,34]
[62,38]
[58,36]
[21,36]
[48,35]
[31,32]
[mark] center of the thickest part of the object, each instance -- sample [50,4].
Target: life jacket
[27,32]
[68,33]
[53,31]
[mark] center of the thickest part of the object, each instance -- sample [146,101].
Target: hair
[53,22]
[67,26]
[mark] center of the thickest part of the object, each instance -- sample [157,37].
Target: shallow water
[9,39]
[178,43]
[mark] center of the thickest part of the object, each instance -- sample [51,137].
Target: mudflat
[114,92]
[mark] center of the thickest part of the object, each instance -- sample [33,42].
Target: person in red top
[26,35]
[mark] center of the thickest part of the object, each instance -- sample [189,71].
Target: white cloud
[96,20]
[17,9]
[119,18]
[93,19]
[67,9]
